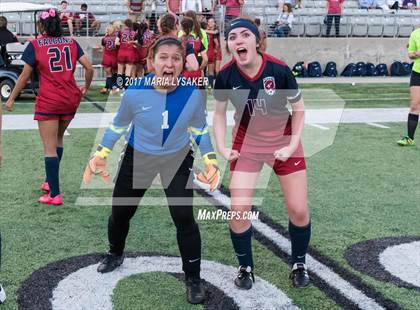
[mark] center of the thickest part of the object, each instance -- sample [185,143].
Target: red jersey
[214,51]
[126,35]
[109,58]
[192,46]
[108,42]
[262,120]
[55,58]
[136,5]
[148,39]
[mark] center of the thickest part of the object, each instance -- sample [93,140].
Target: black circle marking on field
[36,291]
[364,256]
[329,290]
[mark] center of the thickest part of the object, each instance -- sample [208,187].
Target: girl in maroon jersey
[214,51]
[145,38]
[127,54]
[260,88]
[188,39]
[109,58]
[54,58]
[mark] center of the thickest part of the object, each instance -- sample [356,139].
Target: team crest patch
[269,85]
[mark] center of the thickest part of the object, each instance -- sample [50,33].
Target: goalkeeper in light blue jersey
[159,121]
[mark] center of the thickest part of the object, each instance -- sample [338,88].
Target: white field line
[377,125]
[319,126]
[313,116]
[87,289]
[324,272]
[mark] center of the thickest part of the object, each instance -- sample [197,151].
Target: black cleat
[195,291]
[299,276]
[110,262]
[245,278]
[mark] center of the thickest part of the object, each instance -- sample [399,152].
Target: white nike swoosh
[193,260]
[297,163]
[240,254]
[236,87]
[145,108]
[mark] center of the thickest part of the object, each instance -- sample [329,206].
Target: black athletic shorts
[415,79]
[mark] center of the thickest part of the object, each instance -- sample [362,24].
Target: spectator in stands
[173,6]
[208,7]
[368,4]
[409,4]
[294,3]
[334,11]
[5,37]
[135,10]
[394,4]
[232,10]
[84,19]
[150,12]
[284,21]
[263,35]
[66,17]
[191,5]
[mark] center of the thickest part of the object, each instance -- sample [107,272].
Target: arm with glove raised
[208,179]
[97,164]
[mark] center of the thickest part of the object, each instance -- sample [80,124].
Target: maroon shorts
[213,56]
[253,162]
[127,56]
[63,111]
[41,116]
[110,60]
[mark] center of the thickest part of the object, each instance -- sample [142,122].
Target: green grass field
[362,187]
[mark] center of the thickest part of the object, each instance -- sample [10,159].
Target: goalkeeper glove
[209,179]
[97,165]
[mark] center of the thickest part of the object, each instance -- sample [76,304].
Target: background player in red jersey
[189,40]
[264,133]
[127,54]
[214,51]
[54,57]
[109,58]
[145,38]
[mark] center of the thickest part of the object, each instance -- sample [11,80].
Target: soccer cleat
[2,295]
[45,187]
[48,200]
[195,291]
[406,141]
[110,262]
[299,275]
[245,278]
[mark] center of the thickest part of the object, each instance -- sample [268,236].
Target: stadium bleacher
[309,19]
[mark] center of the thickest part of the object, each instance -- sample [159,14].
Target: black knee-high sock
[117,234]
[114,80]
[413,120]
[189,243]
[211,80]
[52,167]
[60,151]
[242,246]
[108,82]
[299,237]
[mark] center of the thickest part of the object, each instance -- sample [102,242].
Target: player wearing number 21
[54,58]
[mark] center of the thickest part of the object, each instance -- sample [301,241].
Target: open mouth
[242,52]
[168,74]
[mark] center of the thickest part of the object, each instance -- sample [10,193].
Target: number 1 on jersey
[165,124]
